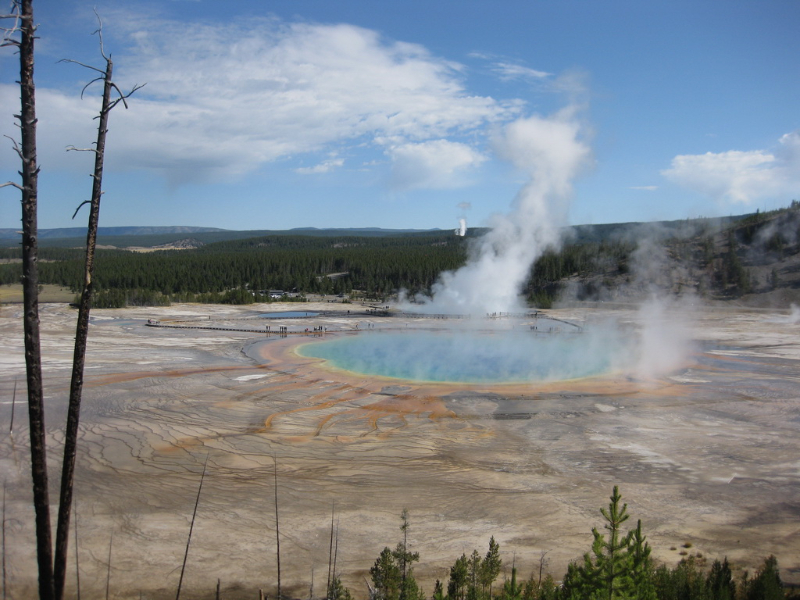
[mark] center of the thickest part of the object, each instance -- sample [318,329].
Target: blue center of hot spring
[462,357]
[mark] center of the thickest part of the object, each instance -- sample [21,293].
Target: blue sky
[359,113]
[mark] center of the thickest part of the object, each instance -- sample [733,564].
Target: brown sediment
[322,406]
[172,373]
[406,405]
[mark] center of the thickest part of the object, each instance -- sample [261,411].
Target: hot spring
[468,356]
[288,314]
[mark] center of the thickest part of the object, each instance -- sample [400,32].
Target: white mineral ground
[708,455]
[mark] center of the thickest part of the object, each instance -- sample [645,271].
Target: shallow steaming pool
[464,357]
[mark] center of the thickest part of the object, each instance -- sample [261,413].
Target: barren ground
[706,456]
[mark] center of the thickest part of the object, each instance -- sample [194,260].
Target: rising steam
[550,151]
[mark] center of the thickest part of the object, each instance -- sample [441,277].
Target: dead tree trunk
[79,354]
[191,527]
[82,329]
[330,557]
[277,528]
[30,287]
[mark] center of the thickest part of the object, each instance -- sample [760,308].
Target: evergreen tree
[618,567]
[662,581]
[438,591]
[386,576]
[404,559]
[640,565]
[574,583]
[531,590]
[459,576]
[687,581]
[511,589]
[473,593]
[720,583]
[409,589]
[610,566]
[734,272]
[548,590]
[337,591]
[490,567]
[766,585]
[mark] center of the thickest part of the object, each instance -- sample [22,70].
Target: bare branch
[74,149]
[90,83]
[123,97]
[19,20]
[12,184]
[99,33]
[17,149]
[77,62]
[79,207]
[15,14]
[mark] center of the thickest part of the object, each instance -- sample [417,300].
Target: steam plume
[549,150]
[794,315]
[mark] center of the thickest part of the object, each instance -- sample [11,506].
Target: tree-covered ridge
[617,567]
[757,253]
[377,266]
[308,264]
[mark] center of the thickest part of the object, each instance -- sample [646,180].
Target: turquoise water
[463,357]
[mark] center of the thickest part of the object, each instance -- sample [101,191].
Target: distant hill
[680,228]
[353,231]
[124,237]
[80,232]
[142,237]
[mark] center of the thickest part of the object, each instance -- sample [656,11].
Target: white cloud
[741,177]
[437,164]
[508,71]
[552,150]
[325,166]
[646,188]
[221,100]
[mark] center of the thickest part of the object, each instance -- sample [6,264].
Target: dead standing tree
[82,329]
[23,25]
